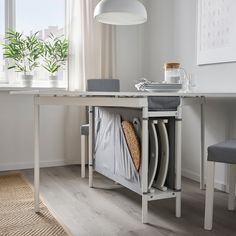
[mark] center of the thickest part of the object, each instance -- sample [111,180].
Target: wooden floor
[111,210]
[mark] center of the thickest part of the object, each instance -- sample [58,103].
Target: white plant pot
[27,80]
[53,79]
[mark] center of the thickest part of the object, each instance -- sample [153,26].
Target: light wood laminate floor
[108,209]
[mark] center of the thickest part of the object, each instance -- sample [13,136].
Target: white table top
[125,94]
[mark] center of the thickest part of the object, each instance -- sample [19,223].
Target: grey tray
[163,87]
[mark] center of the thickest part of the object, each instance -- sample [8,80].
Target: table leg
[178,162]
[36,154]
[144,177]
[83,154]
[91,130]
[232,180]
[202,160]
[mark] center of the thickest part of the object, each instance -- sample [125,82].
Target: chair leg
[232,180]
[209,195]
[83,155]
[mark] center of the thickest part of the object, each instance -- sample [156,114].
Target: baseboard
[190,175]
[30,165]
[194,176]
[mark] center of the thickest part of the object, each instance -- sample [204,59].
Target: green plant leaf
[23,50]
[55,53]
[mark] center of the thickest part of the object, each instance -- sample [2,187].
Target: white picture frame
[216,31]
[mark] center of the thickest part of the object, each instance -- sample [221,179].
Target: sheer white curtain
[91,56]
[90,44]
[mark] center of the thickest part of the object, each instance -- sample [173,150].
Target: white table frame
[111,100]
[132,100]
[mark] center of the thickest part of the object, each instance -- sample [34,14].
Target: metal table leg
[178,154]
[202,160]
[91,117]
[36,153]
[144,178]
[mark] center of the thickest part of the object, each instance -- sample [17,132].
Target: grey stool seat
[84,129]
[95,85]
[224,152]
[100,85]
[103,85]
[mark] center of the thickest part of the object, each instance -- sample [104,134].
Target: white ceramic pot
[53,80]
[27,80]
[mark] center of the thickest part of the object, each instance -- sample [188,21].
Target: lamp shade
[120,12]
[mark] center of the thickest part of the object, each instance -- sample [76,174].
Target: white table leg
[178,162]
[144,209]
[202,160]
[232,180]
[83,154]
[91,114]
[144,178]
[36,153]
[209,195]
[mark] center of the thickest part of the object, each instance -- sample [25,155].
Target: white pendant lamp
[120,12]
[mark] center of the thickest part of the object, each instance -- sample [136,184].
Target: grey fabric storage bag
[104,141]
[163,103]
[111,151]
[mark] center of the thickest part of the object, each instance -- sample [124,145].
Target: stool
[95,85]
[224,152]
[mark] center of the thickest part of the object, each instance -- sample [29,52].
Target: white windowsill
[39,85]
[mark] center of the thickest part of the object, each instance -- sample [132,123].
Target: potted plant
[55,56]
[23,53]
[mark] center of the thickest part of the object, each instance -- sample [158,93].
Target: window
[30,16]
[2,30]
[44,16]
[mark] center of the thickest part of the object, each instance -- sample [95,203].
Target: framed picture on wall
[216,31]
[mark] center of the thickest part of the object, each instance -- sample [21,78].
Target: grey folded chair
[95,85]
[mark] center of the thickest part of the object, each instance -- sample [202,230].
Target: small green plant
[55,53]
[24,52]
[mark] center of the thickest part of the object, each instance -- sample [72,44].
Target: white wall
[136,46]
[158,41]
[219,77]
[171,36]
[16,129]
[130,50]
[129,54]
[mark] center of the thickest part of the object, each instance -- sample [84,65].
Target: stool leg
[144,209]
[209,195]
[83,155]
[232,179]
